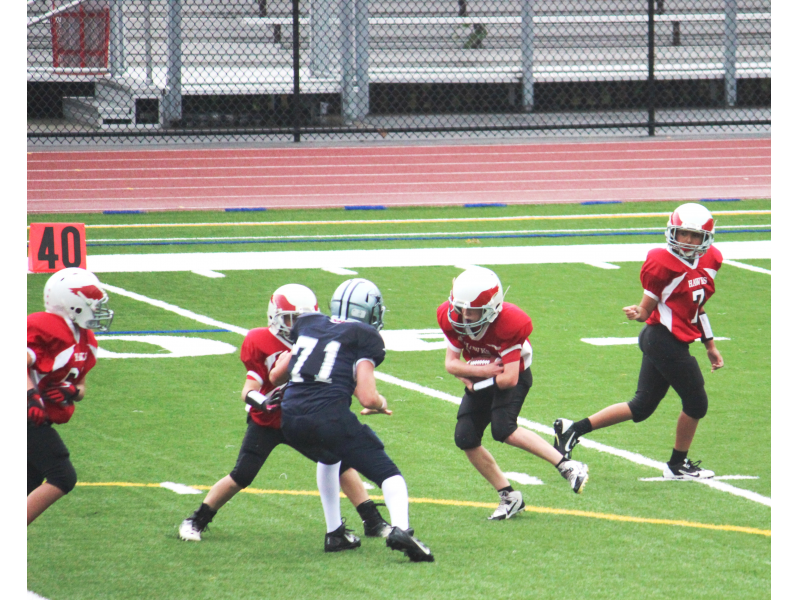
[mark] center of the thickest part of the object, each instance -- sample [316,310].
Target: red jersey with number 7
[681,287]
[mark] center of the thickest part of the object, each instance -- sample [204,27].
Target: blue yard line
[258,209]
[167,331]
[720,200]
[589,202]
[123,212]
[409,238]
[484,204]
[366,207]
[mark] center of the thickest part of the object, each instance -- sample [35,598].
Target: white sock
[328,484]
[395,494]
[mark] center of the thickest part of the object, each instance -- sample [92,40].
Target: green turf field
[151,420]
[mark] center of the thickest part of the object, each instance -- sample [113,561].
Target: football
[477,362]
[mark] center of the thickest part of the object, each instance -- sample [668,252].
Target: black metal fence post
[651,67]
[296,69]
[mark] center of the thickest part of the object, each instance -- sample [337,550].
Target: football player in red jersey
[678,280]
[261,393]
[492,336]
[61,350]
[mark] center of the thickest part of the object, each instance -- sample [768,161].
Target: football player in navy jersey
[260,353]
[332,359]
[61,350]
[678,280]
[492,337]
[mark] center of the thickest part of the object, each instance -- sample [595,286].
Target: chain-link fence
[107,70]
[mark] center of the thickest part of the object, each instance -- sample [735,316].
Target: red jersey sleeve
[253,361]
[655,275]
[514,327]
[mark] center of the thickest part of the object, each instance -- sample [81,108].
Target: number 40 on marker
[54,246]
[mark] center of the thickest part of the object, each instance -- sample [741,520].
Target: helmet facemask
[358,300]
[97,316]
[694,218]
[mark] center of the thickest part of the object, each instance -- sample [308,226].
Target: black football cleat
[341,539]
[566,438]
[405,542]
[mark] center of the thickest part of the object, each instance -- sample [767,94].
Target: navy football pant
[336,434]
[257,445]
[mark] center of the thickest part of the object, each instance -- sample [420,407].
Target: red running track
[532,173]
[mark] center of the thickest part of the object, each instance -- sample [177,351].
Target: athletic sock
[203,516]
[582,427]
[368,510]
[328,484]
[508,488]
[395,494]
[678,457]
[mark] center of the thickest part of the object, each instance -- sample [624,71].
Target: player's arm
[367,391]
[457,367]
[509,377]
[707,337]
[280,370]
[36,412]
[641,312]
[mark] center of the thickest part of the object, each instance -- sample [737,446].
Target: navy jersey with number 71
[325,353]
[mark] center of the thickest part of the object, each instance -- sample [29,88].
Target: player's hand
[716,359]
[62,393]
[493,369]
[378,411]
[36,414]
[466,381]
[632,312]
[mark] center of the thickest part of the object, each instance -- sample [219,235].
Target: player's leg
[352,486]
[651,388]
[257,444]
[684,375]
[361,448]
[48,458]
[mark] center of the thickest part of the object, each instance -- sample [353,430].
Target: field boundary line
[630,456]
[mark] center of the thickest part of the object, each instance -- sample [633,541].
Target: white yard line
[734,263]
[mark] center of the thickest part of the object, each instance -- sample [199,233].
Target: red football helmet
[476,288]
[286,304]
[75,294]
[690,217]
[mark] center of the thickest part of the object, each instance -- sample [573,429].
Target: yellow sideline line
[396,221]
[468,503]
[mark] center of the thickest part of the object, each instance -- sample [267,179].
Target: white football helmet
[75,294]
[477,288]
[286,304]
[358,300]
[690,217]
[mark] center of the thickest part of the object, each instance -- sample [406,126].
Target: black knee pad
[63,476]
[466,435]
[246,469]
[641,408]
[696,406]
[501,431]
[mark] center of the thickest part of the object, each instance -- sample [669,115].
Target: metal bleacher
[236,47]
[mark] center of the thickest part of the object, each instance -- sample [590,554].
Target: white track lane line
[573,150]
[370,170]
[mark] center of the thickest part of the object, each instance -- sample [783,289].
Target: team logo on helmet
[92,292]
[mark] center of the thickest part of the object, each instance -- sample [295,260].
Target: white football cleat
[577,473]
[510,504]
[687,470]
[189,532]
